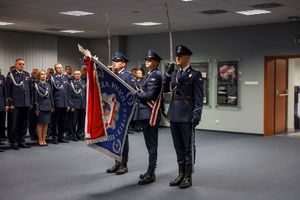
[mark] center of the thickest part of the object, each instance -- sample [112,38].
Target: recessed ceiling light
[253,12]
[187,0]
[76,13]
[5,23]
[71,31]
[147,23]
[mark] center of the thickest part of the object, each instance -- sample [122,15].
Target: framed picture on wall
[227,83]
[203,68]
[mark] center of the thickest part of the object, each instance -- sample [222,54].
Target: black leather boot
[122,169]
[114,168]
[187,181]
[179,178]
[147,179]
[144,174]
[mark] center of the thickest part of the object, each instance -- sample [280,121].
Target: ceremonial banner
[107,124]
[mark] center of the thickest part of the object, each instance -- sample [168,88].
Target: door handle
[282,94]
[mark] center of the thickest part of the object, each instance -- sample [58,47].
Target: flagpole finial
[85,52]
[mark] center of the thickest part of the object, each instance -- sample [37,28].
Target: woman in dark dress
[43,102]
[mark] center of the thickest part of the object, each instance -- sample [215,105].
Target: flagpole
[170,33]
[108,41]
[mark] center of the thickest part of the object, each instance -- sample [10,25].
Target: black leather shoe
[54,141]
[23,145]
[113,169]
[63,141]
[2,143]
[1,150]
[149,178]
[74,139]
[177,181]
[186,183]
[14,146]
[122,170]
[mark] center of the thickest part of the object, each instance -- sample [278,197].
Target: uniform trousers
[78,117]
[183,140]
[32,124]
[58,125]
[151,140]
[17,124]
[2,124]
[125,151]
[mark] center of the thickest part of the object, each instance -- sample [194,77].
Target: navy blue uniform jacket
[151,86]
[3,93]
[19,95]
[43,102]
[61,91]
[78,94]
[187,99]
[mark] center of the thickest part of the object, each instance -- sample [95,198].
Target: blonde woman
[44,105]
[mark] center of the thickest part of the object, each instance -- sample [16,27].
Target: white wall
[293,80]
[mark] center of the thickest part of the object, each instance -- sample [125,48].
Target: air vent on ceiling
[53,29]
[267,5]
[213,12]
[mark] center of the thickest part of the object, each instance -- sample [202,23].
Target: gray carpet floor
[228,167]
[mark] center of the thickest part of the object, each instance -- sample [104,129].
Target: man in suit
[184,112]
[119,68]
[149,97]
[3,108]
[61,97]
[19,92]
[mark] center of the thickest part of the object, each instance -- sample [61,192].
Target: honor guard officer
[3,107]
[78,99]
[148,113]
[184,112]
[61,97]
[120,62]
[20,100]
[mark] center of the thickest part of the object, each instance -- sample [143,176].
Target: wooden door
[280,96]
[275,106]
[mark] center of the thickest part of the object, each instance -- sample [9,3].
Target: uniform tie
[180,73]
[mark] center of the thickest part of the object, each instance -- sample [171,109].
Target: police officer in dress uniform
[120,62]
[43,106]
[184,112]
[61,97]
[32,115]
[3,107]
[70,115]
[19,92]
[149,114]
[78,96]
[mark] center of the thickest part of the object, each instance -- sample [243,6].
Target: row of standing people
[57,100]
[184,112]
